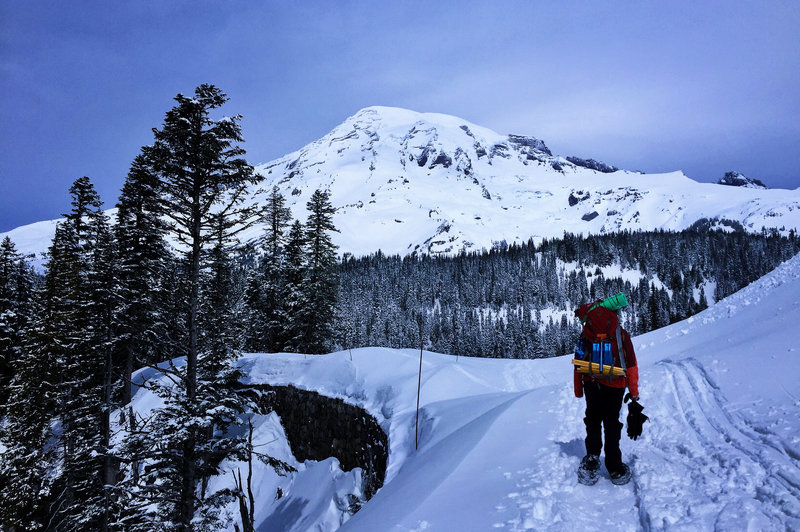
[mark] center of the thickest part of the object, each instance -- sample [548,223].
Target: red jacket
[631,378]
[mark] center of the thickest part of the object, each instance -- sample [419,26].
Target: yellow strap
[584,366]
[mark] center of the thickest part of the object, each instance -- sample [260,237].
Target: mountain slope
[500,440]
[404,181]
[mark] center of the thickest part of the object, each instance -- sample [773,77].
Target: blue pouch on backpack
[601,353]
[579,349]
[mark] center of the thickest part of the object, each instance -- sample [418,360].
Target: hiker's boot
[589,470]
[620,476]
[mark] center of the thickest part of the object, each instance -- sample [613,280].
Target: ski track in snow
[697,464]
[719,455]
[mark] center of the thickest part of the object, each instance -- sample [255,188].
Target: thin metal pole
[419,386]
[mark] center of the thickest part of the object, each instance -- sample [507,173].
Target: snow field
[500,440]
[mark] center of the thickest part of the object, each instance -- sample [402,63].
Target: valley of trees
[518,301]
[169,287]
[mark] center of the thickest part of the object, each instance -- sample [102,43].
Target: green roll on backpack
[614,302]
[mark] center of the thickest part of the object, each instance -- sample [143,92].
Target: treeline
[517,301]
[162,282]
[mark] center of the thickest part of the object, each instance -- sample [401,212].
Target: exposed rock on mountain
[735,179]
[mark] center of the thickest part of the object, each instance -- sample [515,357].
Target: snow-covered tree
[266,289]
[16,308]
[25,486]
[81,285]
[203,180]
[321,284]
[62,379]
[295,268]
[140,329]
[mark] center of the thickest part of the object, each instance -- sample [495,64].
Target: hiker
[603,384]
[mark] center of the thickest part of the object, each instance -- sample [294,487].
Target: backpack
[599,346]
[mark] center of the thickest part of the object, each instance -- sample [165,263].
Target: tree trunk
[188,484]
[125,397]
[109,464]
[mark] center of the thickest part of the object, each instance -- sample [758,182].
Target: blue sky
[703,87]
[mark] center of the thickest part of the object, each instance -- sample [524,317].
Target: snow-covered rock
[736,179]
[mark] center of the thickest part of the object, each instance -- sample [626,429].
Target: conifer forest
[167,279]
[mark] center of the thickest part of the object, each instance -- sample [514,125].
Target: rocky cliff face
[736,179]
[319,427]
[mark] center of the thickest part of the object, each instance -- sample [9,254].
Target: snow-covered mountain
[404,181]
[500,440]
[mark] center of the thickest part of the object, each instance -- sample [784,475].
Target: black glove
[635,419]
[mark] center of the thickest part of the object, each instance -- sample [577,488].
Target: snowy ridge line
[716,428]
[751,294]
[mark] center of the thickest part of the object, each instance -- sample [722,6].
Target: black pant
[603,404]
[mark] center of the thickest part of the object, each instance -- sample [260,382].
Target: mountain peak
[385,118]
[736,179]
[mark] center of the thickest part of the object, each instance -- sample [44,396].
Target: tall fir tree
[29,401]
[140,328]
[203,182]
[16,308]
[293,331]
[61,381]
[266,289]
[83,290]
[321,283]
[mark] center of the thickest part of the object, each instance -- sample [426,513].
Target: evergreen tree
[63,379]
[141,334]
[80,286]
[16,293]
[295,271]
[203,182]
[41,394]
[26,487]
[321,283]
[103,286]
[266,290]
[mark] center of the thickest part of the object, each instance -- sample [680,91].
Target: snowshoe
[589,470]
[621,477]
